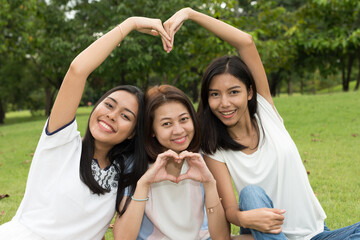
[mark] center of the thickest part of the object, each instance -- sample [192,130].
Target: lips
[227,114]
[179,140]
[106,127]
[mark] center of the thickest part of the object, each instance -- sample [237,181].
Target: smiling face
[173,126]
[114,119]
[228,99]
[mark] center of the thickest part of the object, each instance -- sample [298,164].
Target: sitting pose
[244,138]
[74,186]
[177,197]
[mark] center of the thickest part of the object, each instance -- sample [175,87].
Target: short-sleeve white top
[57,204]
[276,166]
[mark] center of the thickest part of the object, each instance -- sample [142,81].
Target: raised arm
[242,41]
[72,87]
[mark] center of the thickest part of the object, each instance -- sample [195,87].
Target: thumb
[182,177]
[278,211]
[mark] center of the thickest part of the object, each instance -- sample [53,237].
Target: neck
[243,128]
[101,155]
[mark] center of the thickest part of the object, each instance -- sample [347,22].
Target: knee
[251,191]
[252,197]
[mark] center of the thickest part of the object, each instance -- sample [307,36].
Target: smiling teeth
[227,113]
[105,126]
[179,140]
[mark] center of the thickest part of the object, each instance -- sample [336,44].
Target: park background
[310,50]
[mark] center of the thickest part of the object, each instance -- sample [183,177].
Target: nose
[224,101]
[111,116]
[178,129]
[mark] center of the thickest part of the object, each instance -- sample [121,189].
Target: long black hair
[214,132]
[134,162]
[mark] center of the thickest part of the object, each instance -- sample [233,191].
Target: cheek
[212,105]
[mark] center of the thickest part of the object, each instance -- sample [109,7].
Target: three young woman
[73,186]
[244,138]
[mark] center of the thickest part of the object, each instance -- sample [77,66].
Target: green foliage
[295,38]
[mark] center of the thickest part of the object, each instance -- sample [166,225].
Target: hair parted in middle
[154,98]
[214,132]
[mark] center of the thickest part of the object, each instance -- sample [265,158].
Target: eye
[125,116]
[184,119]
[166,124]
[213,94]
[233,92]
[109,105]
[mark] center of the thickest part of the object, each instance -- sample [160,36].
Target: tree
[330,34]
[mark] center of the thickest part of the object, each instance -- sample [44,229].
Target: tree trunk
[165,81]
[346,72]
[290,87]
[358,77]
[194,92]
[274,77]
[48,101]
[2,112]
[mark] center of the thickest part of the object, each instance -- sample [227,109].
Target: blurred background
[306,46]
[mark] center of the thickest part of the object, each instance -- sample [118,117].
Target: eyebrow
[126,109]
[234,87]
[168,118]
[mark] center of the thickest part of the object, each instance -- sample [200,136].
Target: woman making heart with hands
[177,197]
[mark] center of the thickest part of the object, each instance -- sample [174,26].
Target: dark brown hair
[155,97]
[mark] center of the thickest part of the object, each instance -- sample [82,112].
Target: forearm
[128,225]
[89,59]
[233,215]
[218,225]
[235,37]
[243,42]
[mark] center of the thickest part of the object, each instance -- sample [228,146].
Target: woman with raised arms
[244,139]
[74,186]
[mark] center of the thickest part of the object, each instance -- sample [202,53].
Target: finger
[171,178]
[165,45]
[276,231]
[278,211]
[185,154]
[170,153]
[183,177]
[163,34]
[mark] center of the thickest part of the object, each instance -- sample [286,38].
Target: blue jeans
[253,197]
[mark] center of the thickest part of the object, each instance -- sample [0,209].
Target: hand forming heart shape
[197,169]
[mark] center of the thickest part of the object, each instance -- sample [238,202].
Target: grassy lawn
[325,128]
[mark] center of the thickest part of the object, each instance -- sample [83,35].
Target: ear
[250,93]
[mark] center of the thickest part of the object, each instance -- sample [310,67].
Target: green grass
[325,128]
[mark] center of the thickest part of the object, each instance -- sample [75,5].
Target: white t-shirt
[276,166]
[175,211]
[57,204]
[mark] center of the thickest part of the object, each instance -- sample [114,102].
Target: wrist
[190,13]
[209,183]
[143,183]
[242,218]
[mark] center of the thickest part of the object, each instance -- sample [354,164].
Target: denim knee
[252,197]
